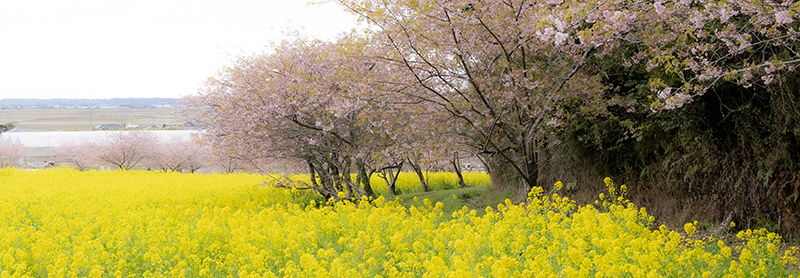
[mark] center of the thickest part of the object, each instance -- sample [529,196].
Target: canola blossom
[64,223]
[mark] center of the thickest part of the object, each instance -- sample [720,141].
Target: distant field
[51,119]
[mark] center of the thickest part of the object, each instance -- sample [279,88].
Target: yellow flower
[690,229]
[132,223]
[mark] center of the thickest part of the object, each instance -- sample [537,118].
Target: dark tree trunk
[363,177]
[531,161]
[420,175]
[313,177]
[456,167]
[348,183]
[482,158]
[388,175]
[394,179]
[338,183]
[514,168]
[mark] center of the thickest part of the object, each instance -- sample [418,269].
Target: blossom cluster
[64,223]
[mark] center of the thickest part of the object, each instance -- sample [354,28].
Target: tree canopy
[515,82]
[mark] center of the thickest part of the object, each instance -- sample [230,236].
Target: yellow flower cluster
[64,223]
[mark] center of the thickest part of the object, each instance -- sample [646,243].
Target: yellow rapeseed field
[408,182]
[64,223]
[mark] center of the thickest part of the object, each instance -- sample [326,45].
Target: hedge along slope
[60,223]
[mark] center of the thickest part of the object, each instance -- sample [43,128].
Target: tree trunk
[363,177]
[338,183]
[456,167]
[394,179]
[388,176]
[420,175]
[313,176]
[504,177]
[482,158]
[327,182]
[531,162]
[346,178]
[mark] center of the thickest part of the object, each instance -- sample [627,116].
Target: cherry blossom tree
[82,154]
[503,77]
[324,103]
[227,160]
[431,143]
[11,154]
[483,62]
[691,46]
[126,149]
[511,72]
[179,155]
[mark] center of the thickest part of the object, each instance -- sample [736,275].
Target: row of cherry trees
[433,80]
[140,150]
[324,103]
[513,71]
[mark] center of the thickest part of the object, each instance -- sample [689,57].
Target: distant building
[191,126]
[9,141]
[107,127]
[180,125]
[16,129]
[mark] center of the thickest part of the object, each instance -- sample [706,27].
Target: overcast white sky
[141,48]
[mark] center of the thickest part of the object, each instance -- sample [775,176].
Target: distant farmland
[77,119]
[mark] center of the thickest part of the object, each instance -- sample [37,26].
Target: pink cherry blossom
[547,34]
[783,17]
[561,38]
[659,7]
[767,79]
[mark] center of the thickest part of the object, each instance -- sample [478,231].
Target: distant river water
[55,138]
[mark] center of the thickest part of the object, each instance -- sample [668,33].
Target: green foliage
[734,147]
[5,127]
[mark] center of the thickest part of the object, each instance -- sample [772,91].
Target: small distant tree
[178,155]
[82,154]
[226,163]
[197,156]
[126,149]
[10,155]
